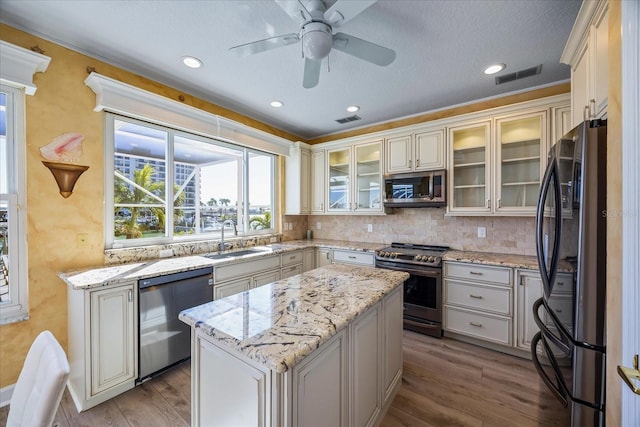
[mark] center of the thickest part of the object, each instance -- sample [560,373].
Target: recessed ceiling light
[353,108]
[191,62]
[495,68]
[277,104]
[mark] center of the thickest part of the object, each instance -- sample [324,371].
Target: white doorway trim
[630,20]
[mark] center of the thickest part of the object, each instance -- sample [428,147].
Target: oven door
[422,298]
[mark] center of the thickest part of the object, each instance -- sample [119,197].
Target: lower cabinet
[323,257]
[321,384]
[242,276]
[350,380]
[109,336]
[341,256]
[366,367]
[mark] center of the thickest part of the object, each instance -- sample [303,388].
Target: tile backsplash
[512,235]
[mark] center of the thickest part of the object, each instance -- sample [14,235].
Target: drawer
[291,258]
[563,285]
[495,299]
[246,268]
[482,326]
[481,273]
[291,271]
[562,307]
[353,257]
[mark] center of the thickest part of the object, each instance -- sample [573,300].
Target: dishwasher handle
[174,277]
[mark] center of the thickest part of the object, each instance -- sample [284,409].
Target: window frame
[242,210]
[17,308]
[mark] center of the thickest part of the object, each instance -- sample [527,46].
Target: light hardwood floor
[445,383]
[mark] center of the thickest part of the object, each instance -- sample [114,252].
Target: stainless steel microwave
[415,190]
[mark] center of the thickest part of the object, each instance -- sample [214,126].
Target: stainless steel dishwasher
[163,339]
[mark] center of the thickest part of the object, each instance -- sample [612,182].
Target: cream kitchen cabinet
[323,257]
[528,290]
[343,256]
[317,182]
[354,181]
[298,180]
[478,301]
[103,343]
[308,259]
[586,52]
[242,276]
[496,164]
[416,151]
[291,264]
[470,168]
[520,159]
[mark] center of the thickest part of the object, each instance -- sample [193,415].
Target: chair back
[42,381]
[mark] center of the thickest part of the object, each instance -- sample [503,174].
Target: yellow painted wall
[63,103]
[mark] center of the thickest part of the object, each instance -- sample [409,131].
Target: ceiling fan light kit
[316,33]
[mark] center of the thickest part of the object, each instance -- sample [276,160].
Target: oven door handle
[435,272]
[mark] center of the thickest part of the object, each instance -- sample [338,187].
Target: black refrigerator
[571,227]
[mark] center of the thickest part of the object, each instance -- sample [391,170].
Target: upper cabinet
[469,169]
[520,146]
[496,164]
[587,53]
[415,151]
[317,181]
[354,177]
[297,180]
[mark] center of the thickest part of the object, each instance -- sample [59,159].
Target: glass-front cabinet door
[520,146]
[470,180]
[368,176]
[339,180]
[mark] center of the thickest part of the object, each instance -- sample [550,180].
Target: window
[13,271]
[168,185]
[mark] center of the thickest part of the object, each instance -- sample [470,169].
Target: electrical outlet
[273,239]
[369,228]
[319,225]
[165,253]
[482,232]
[82,240]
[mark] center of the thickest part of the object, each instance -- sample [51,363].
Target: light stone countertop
[505,260]
[125,273]
[279,324]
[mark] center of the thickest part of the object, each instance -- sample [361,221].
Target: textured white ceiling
[441,47]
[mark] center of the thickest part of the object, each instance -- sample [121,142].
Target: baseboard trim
[5,395]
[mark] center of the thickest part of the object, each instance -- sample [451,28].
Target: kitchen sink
[233,254]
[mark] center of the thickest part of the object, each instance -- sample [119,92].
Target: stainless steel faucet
[235,232]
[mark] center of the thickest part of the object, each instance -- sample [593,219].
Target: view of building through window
[4,201]
[211,182]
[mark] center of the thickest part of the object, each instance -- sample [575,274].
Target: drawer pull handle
[475,296]
[560,284]
[477,325]
[558,310]
[476,273]
[352,257]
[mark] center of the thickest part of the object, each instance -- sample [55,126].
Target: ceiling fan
[316,33]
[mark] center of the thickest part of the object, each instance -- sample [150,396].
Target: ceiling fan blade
[311,73]
[265,44]
[363,49]
[295,9]
[342,11]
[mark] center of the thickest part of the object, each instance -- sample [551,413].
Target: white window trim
[130,101]
[17,67]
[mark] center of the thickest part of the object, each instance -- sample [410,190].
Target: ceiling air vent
[519,75]
[348,119]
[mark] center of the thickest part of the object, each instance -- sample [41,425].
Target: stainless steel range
[423,289]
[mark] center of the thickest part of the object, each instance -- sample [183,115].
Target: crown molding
[18,65]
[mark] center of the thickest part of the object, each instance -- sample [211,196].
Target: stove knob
[386,254]
[417,258]
[432,259]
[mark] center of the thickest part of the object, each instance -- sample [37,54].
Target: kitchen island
[323,348]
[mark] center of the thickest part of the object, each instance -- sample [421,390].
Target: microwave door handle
[431,178]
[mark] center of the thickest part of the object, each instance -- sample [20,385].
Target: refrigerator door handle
[551,176]
[565,341]
[558,391]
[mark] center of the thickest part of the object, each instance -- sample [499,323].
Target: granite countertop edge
[504,260]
